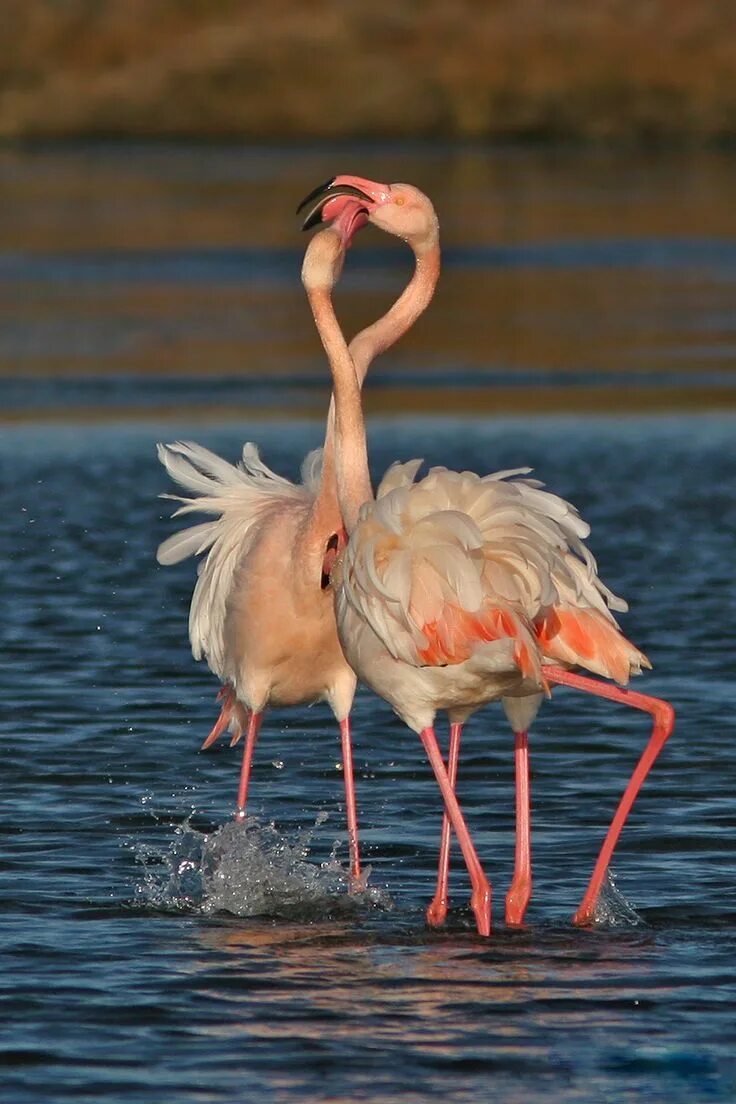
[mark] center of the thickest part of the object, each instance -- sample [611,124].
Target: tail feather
[585,638]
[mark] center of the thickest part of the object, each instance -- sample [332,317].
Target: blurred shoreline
[661,73]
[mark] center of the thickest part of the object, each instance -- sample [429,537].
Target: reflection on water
[171,261]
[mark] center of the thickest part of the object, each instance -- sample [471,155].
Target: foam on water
[249,869]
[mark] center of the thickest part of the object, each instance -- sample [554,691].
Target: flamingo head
[349,202]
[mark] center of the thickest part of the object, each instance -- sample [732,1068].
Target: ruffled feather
[241,497]
[440,567]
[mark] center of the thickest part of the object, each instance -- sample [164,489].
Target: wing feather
[440,567]
[241,497]
[398,475]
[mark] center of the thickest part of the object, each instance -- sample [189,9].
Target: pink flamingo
[459,590]
[262,614]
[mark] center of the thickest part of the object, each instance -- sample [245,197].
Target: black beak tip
[322,195]
[313,195]
[313,219]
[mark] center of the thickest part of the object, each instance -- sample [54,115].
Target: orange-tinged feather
[586,639]
[452,638]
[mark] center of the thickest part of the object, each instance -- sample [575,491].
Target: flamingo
[458,590]
[261,612]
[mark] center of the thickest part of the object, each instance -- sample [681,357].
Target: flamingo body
[458,590]
[259,614]
[262,613]
[453,592]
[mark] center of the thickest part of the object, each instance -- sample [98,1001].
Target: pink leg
[518,895]
[437,909]
[226,695]
[480,901]
[664,722]
[254,723]
[350,805]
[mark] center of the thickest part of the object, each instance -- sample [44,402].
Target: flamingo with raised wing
[458,590]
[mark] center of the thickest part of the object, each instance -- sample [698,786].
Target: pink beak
[346,202]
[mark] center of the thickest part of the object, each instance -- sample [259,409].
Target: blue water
[154,952]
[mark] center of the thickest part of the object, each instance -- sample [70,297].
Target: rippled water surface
[561,271]
[156,951]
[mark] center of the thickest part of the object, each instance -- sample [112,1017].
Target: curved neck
[381,335]
[413,301]
[348,455]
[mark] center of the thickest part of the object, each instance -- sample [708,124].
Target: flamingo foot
[480,902]
[239,722]
[436,913]
[585,916]
[663,716]
[233,715]
[517,900]
[358,883]
[226,695]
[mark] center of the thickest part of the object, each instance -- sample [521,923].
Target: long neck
[413,301]
[381,335]
[348,454]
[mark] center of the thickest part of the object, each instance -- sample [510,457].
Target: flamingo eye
[399,201]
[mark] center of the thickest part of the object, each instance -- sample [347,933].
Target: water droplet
[248,868]
[612,909]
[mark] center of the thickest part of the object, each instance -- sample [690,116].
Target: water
[153,950]
[562,271]
[126,979]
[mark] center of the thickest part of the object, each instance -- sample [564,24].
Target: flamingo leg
[480,900]
[437,909]
[520,891]
[226,695]
[664,722]
[350,803]
[254,723]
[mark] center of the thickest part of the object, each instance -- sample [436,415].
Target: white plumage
[457,590]
[446,581]
[241,497]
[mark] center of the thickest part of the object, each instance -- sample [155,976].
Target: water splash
[612,910]
[248,869]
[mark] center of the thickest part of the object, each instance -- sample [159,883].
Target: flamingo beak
[318,200]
